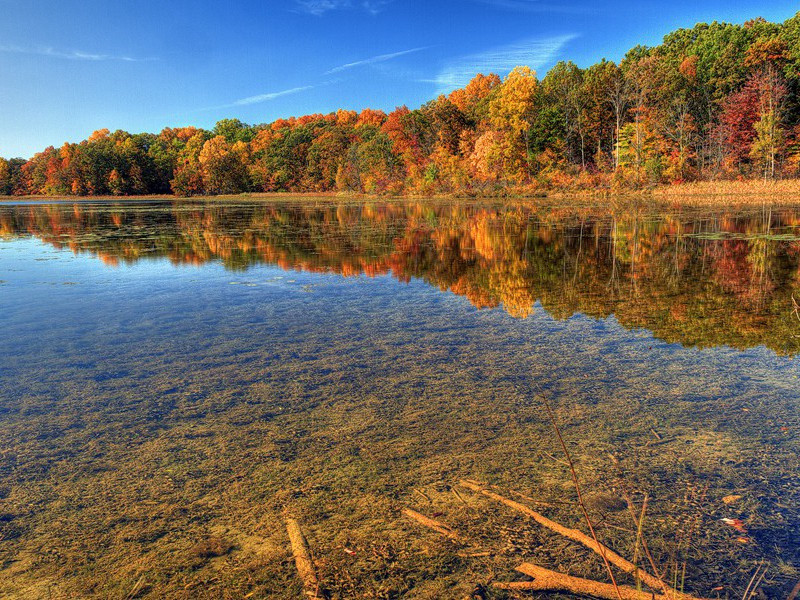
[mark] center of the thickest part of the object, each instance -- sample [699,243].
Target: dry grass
[710,192]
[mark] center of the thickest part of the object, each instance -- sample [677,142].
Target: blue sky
[69,67]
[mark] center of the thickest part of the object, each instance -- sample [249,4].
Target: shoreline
[784,192]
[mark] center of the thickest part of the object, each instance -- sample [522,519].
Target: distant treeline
[718,101]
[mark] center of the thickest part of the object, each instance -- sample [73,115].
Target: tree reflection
[699,278]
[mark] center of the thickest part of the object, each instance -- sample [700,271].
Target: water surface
[176,377]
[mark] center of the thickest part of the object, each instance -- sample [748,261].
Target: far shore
[785,192]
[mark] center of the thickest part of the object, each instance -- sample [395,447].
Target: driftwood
[545,580]
[796,589]
[582,538]
[302,559]
[431,523]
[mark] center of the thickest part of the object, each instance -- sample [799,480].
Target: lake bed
[178,377]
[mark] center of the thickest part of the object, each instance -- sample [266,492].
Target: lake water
[178,377]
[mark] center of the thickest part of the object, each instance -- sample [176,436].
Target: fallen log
[580,537]
[545,580]
[431,523]
[302,560]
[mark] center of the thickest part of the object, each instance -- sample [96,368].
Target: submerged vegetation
[715,102]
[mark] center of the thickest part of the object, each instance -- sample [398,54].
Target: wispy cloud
[68,54]
[320,7]
[258,99]
[536,6]
[270,96]
[374,60]
[534,53]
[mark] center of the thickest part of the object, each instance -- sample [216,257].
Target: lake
[178,377]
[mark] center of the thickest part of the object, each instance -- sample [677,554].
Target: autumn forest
[715,102]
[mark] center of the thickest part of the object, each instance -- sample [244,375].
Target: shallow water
[174,373]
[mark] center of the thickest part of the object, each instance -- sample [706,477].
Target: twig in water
[135,588]
[692,496]
[643,541]
[755,583]
[302,560]
[580,494]
[423,494]
[795,591]
[431,523]
[554,458]
[458,495]
[552,581]
[639,536]
[581,538]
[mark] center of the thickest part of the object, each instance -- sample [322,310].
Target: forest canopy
[715,102]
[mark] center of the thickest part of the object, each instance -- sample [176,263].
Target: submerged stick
[600,547]
[639,537]
[795,591]
[431,523]
[137,585]
[458,495]
[545,580]
[755,581]
[581,538]
[302,559]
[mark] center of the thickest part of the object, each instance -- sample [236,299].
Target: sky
[69,67]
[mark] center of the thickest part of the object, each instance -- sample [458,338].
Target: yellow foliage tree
[512,107]
[512,111]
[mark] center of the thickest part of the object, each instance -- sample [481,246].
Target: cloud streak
[534,53]
[270,96]
[374,60]
[320,7]
[258,99]
[69,54]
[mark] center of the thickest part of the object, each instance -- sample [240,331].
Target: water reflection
[699,278]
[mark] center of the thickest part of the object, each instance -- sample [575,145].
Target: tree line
[715,102]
